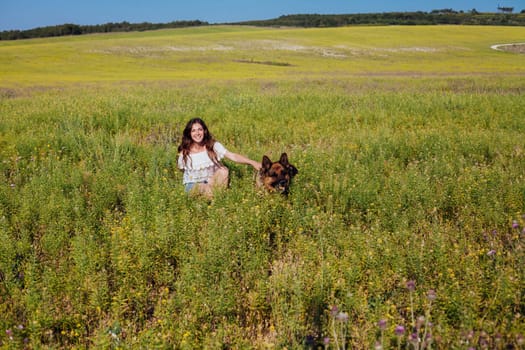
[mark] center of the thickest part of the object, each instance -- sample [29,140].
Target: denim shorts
[189,186]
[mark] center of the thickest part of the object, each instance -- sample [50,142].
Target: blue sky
[27,14]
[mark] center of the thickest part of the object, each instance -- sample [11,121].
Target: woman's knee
[221,176]
[223,172]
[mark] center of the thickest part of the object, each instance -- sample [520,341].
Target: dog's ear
[293,170]
[284,159]
[266,163]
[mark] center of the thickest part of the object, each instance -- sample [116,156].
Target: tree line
[446,16]
[443,16]
[74,29]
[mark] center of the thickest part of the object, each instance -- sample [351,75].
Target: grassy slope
[214,53]
[411,168]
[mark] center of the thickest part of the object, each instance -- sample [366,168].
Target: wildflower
[399,330]
[378,346]
[310,341]
[520,339]
[491,252]
[420,322]
[483,343]
[515,224]
[413,338]
[334,311]
[498,337]
[342,317]
[431,295]
[326,341]
[411,285]
[382,324]
[428,338]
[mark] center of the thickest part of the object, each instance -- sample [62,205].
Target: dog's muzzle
[281,186]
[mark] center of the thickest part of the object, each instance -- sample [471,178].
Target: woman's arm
[180,162]
[238,158]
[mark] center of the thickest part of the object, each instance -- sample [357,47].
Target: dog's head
[276,176]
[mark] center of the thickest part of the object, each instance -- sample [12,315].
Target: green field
[408,209]
[225,53]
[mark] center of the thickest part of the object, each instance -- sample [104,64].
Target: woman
[199,159]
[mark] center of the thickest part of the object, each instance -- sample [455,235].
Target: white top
[199,167]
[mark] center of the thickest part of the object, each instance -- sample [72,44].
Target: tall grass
[404,228]
[417,181]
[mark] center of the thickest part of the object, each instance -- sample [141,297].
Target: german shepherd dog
[276,176]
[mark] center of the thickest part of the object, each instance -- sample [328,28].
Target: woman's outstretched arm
[239,158]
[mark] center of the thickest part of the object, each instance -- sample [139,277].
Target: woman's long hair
[207,140]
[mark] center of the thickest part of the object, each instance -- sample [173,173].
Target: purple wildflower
[515,224]
[310,341]
[498,337]
[483,343]
[413,338]
[491,252]
[431,295]
[382,324]
[411,285]
[334,311]
[399,330]
[520,339]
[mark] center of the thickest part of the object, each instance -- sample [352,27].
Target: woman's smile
[197,133]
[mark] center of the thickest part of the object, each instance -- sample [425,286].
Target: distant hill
[444,16]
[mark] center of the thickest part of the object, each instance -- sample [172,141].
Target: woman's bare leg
[204,189]
[220,179]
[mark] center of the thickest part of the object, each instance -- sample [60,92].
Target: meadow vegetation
[404,228]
